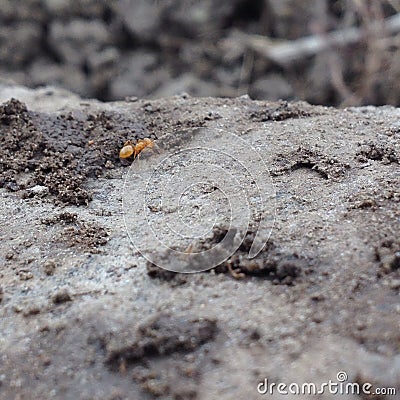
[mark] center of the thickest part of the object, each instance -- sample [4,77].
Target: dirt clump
[163,275]
[162,335]
[273,263]
[388,256]
[43,153]
[62,296]
[377,152]
[281,110]
[327,167]
[164,355]
[76,232]
[88,236]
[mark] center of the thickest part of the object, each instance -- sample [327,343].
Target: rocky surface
[83,315]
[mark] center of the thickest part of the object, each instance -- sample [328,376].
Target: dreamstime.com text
[340,386]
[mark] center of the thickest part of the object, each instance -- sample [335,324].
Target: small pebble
[61,296]
[49,267]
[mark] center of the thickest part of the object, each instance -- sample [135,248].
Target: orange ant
[130,148]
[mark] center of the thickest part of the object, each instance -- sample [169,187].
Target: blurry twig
[336,73]
[245,72]
[287,52]
[374,55]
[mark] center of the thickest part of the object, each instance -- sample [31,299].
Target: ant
[129,148]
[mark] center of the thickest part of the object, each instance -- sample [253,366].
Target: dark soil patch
[273,263]
[63,218]
[20,143]
[162,335]
[377,152]
[375,197]
[282,267]
[87,236]
[327,167]
[155,272]
[59,152]
[62,296]
[78,233]
[280,111]
[179,380]
[164,355]
[388,256]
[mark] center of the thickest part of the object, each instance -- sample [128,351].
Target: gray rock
[43,72]
[19,43]
[129,80]
[91,9]
[76,41]
[141,17]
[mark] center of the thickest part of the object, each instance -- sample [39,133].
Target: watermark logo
[340,386]
[197,180]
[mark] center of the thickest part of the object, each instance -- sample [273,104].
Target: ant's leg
[138,155]
[155,148]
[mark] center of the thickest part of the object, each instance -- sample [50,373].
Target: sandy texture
[83,316]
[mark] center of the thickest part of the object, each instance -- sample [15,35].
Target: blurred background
[332,52]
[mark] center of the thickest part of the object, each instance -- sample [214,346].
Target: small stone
[360,325]
[31,310]
[38,190]
[131,99]
[129,266]
[318,318]
[109,164]
[46,360]
[49,267]
[318,296]
[25,275]
[17,308]
[62,296]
